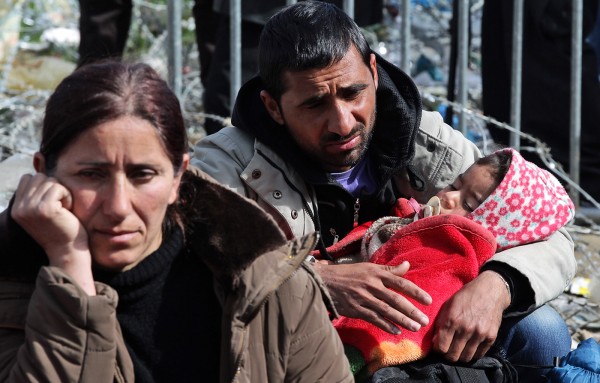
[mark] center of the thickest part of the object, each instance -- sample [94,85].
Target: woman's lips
[120,236]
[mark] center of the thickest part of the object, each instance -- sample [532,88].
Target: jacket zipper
[334,234]
[356,210]
[238,362]
[332,230]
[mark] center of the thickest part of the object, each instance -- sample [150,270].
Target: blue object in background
[424,64]
[581,365]
[433,4]
[442,110]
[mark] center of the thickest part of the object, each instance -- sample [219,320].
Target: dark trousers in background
[104,28]
[546,92]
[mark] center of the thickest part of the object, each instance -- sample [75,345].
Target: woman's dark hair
[306,35]
[101,92]
[498,163]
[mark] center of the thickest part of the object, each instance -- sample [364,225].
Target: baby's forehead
[480,172]
[480,179]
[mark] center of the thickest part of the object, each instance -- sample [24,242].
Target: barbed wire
[539,147]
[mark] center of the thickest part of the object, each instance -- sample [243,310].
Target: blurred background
[39,46]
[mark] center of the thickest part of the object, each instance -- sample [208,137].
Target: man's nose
[341,121]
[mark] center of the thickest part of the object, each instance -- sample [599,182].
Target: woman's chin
[117,261]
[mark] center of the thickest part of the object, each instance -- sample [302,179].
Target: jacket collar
[236,230]
[398,119]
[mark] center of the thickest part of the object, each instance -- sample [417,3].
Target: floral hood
[527,206]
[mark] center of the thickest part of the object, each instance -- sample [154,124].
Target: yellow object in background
[579,286]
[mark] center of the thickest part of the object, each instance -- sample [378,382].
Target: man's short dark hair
[306,35]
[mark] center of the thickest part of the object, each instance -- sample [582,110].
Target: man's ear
[39,162]
[373,65]
[272,107]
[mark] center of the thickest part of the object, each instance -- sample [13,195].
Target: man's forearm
[545,267]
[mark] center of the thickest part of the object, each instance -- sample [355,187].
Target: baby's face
[467,192]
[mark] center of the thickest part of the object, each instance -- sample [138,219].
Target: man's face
[329,112]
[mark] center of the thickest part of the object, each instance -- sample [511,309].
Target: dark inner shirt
[169,315]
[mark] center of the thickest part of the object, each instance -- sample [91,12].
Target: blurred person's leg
[366,12]
[594,39]
[216,92]
[207,22]
[104,28]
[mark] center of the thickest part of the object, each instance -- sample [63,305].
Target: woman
[208,288]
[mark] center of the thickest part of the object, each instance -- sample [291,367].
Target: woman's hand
[42,208]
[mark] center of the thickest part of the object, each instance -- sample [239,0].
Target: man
[329,135]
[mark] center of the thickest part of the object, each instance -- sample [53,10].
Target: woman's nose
[117,203]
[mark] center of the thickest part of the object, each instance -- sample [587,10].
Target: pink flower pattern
[529,205]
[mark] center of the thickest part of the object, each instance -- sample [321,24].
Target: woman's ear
[177,179]
[185,163]
[39,162]
[272,107]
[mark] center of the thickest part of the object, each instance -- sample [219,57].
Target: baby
[501,201]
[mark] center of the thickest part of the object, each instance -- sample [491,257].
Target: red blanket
[445,252]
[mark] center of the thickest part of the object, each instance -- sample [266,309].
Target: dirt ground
[578,305]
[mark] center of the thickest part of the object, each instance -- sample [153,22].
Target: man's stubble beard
[365,144]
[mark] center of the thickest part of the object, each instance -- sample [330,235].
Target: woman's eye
[91,173]
[452,187]
[142,174]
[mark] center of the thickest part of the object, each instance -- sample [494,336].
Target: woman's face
[121,181]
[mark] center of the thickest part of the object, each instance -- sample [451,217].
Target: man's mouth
[344,145]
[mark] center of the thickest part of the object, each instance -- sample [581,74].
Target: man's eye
[314,104]
[351,94]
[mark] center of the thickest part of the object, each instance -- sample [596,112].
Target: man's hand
[467,324]
[362,290]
